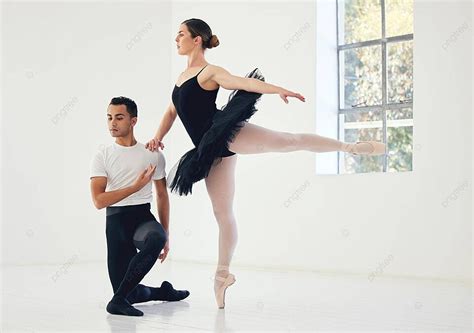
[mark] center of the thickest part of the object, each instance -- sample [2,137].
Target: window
[375,82]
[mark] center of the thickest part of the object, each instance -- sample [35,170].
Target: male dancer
[121,181]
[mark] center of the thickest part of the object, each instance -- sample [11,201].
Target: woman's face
[185,43]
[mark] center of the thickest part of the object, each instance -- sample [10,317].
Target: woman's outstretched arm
[166,122]
[228,81]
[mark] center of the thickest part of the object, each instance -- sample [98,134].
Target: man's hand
[166,249]
[144,177]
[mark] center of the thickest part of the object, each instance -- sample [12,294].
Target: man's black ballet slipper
[120,306]
[167,293]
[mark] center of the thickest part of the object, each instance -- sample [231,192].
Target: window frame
[385,106]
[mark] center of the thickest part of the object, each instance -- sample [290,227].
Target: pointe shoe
[378,148]
[220,294]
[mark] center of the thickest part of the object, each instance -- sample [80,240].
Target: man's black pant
[129,228]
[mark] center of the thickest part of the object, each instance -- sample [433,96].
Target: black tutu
[226,123]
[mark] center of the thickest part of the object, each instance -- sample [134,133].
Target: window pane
[400,71]
[361,126]
[362,76]
[399,114]
[398,17]
[359,20]
[400,140]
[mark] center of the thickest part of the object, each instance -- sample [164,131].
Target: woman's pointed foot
[371,148]
[220,286]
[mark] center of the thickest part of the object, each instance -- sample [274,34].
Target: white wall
[472,143]
[62,64]
[418,222]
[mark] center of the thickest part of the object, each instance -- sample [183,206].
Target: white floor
[73,297]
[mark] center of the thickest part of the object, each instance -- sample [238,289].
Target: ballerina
[220,135]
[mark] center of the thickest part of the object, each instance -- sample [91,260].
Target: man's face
[119,120]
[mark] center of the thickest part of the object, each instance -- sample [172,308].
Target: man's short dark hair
[129,103]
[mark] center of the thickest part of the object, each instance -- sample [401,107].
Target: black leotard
[196,107]
[211,130]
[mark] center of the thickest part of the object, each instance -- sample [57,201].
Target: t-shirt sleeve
[97,166]
[160,171]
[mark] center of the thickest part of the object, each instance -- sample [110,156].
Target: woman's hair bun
[213,42]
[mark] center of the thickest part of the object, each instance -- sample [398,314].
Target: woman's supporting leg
[220,185]
[254,139]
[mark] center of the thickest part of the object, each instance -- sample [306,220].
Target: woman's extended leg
[254,139]
[220,185]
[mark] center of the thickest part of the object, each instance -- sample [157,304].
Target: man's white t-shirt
[122,165]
